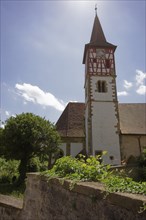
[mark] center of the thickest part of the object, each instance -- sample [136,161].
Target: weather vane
[95,9]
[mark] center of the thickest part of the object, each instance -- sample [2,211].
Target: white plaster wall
[63,147]
[104,134]
[75,149]
[86,128]
[107,96]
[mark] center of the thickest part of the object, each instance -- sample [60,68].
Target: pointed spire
[97,36]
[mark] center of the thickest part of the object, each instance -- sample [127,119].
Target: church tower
[101,104]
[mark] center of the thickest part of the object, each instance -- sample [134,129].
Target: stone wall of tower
[88,121]
[104,131]
[86,129]
[109,95]
[105,121]
[102,117]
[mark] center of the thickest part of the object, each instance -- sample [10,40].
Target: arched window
[101,86]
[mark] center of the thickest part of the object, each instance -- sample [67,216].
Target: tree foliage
[142,165]
[1,142]
[142,159]
[8,170]
[28,135]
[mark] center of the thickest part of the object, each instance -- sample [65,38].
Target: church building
[101,123]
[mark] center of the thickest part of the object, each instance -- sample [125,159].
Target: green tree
[28,135]
[1,142]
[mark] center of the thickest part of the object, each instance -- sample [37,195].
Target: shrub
[142,165]
[8,170]
[34,165]
[80,169]
[142,159]
[120,184]
[91,169]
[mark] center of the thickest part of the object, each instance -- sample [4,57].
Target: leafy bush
[142,165]
[120,184]
[8,170]
[142,159]
[79,169]
[142,173]
[92,170]
[35,165]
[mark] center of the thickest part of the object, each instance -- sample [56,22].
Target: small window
[101,86]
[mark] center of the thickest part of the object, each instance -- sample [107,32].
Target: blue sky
[42,45]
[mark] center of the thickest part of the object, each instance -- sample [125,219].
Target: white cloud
[34,94]
[140,77]
[140,82]
[141,90]
[127,84]
[7,113]
[123,93]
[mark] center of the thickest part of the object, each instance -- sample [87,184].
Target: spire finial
[95,9]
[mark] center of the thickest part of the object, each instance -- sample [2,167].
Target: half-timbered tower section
[101,104]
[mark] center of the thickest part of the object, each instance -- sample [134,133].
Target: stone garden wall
[55,201]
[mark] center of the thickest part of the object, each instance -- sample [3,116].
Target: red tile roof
[71,122]
[132,119]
